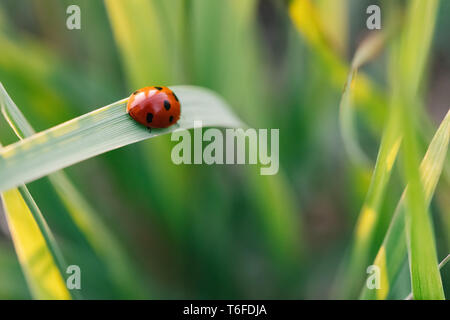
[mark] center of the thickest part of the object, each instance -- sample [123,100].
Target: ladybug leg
[149,129]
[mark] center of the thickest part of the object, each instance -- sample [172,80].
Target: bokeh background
[200,231]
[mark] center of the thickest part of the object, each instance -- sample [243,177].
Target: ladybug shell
[154,107]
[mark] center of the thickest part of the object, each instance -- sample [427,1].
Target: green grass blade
[100,131]
[81,212]
[425,277]
[441,265]
[393,250]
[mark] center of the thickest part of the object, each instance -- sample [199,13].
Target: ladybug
[154,107]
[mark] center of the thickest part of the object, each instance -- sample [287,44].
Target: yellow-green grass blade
[393,250]
[416,42]
[367,221]
[38,254]
[81,212]
[102,130]
[335,15]
[425,277]
[140,35]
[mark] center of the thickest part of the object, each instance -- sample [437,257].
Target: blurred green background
[211,231]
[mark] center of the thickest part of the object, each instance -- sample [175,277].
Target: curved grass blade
[368,49]
[308,22]
[81,212]
[36,249]
[350,280]
[393,250]
[102,130]
[368,217]
[390,144]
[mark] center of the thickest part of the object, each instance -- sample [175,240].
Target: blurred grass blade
[241,76]
[81,212]
[393,250]
[350,280]
[425,276]
[35,247]
[100,131]
[130,20]
[368,49]
[308,22]
[417,38]
[369,215]
[335,15]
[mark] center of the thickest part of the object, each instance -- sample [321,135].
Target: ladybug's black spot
[175,96]
[158,88]
[149,117]
[171,119]
[166,104]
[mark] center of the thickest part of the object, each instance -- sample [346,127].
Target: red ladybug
[154,107]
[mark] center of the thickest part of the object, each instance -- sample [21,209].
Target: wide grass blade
[441,265]
[100,131]
[393,250]
[36,249]
[425,277]
[83,215]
